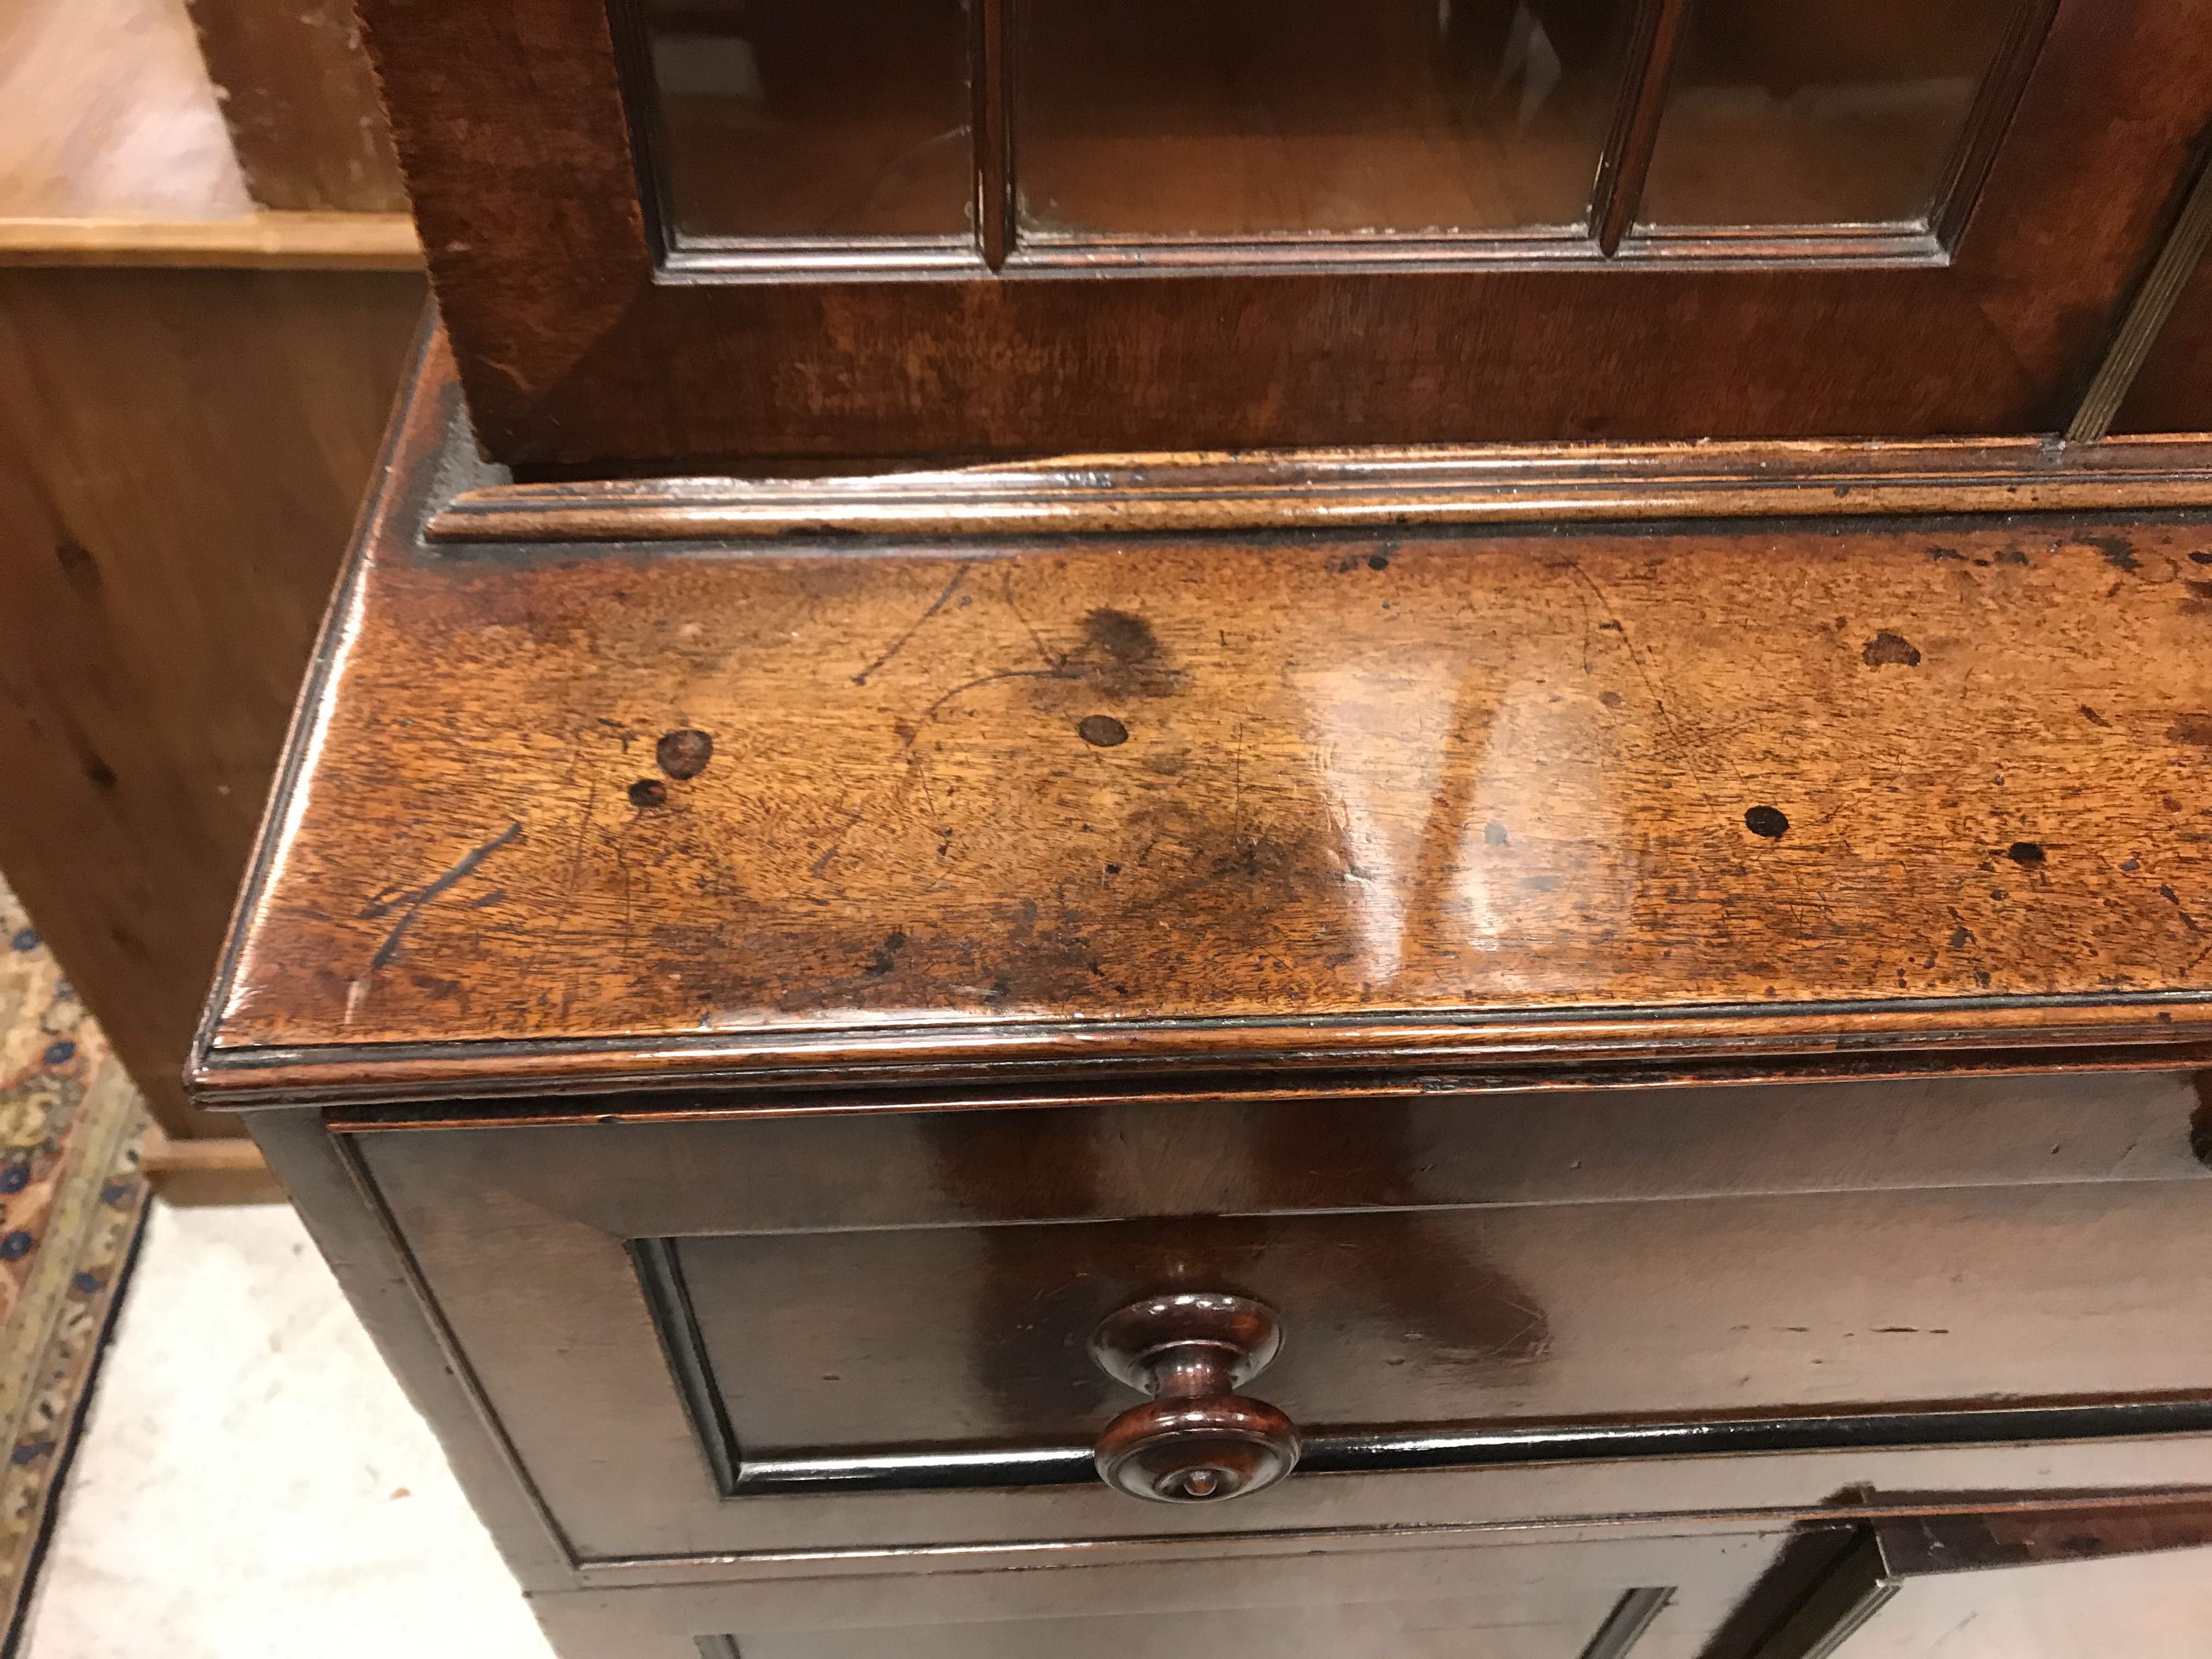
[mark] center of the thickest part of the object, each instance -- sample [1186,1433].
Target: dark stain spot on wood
[1102,731]
[884,958]
[685,753]
[2094,717]
[1122,657]
[2131,864]
[1378,561]
[2199,592]
[2196,729]
[1493,834]
[1124,637]
[2174,899]
[1961,937]
[2024,852]
[101,775]
[2200,558]
[2012,556]
[80,569]
[1939,554]
[1767,821]
[648,792]
[1888,650]
[1610,699]
[1113,869]
[2117,552]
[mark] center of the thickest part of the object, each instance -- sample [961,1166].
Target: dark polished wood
[1628,161]
[511,125]
[2142,327]
[2173,391]
[1483,1294]
[1505,484]
[1419,800]
[1194,1440]
[1869,1585]
[300,105]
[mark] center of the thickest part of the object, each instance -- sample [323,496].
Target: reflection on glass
[812,118]
[1166,118]
[1819,111]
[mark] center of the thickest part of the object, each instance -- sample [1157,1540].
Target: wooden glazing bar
[2183,250]
[992,94]
[1636,132]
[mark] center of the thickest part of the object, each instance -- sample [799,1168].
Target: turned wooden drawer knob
[1197,1440]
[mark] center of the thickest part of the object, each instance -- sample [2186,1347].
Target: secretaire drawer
[705,1330]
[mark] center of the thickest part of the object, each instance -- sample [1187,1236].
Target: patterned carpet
[71,1202]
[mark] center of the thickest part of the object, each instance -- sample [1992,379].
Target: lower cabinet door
[1448,1627]
[1656,1591]
[1940,1576]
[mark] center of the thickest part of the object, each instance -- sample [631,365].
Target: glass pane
[812,118]
[1819,111]
[1217,118]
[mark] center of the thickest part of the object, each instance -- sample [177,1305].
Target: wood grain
[260,242]
[509,121]
[226,1169]
[300,104]
[1349,800]
[1658,35]
[181,453]
[2173,391]
[879,1283]
[1534,484]
[2180,256]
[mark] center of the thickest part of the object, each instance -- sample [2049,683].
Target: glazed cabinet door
[679,233]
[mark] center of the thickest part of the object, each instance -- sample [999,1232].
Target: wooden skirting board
[230,1170]
[259,241]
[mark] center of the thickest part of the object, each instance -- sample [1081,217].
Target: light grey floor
[254,1486]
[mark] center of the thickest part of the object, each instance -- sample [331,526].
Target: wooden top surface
[1341,800]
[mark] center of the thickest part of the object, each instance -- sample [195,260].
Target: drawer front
[965,1338]
[724,1332]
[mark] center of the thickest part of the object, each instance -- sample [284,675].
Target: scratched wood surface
[826,791]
